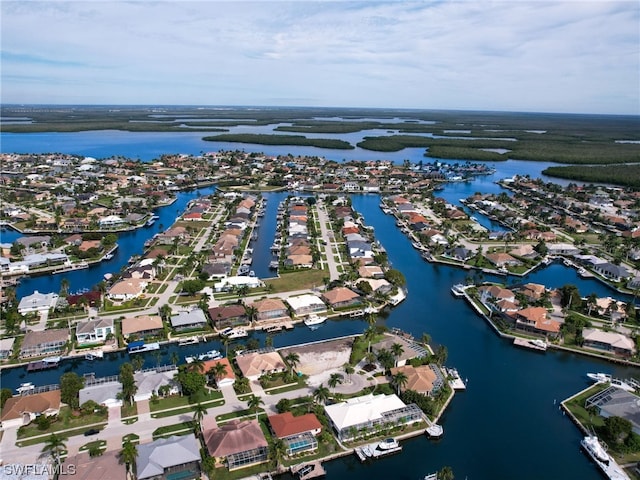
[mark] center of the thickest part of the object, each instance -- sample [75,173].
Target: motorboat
[188,341]
[458,290]
[621,384]
[53,360]
[137,347]
[435,431]
[599,377]
[388,444]
[538,342]
[314,320]
[237,333]
[210,355]
[273,329]
[25,387]
[598,453]
[94,355]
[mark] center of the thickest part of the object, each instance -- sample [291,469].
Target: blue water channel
[506,425]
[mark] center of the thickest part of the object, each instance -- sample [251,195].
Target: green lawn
[64,421]
[175,401]
[298,280]
[180,411]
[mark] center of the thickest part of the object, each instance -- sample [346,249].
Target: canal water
[506,425]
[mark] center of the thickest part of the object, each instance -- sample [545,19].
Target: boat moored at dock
[137,347]
[598,453]
[314,319]
[378,450]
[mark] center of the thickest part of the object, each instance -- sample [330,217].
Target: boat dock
[308,470]
[371,451]
[454,379]
[525,343]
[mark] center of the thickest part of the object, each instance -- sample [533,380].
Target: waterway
[507,424]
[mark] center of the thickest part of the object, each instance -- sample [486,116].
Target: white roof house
[102,393]
[37,302]
[608,341]
[149,382]
[368,411]
[237,281]
[305,304]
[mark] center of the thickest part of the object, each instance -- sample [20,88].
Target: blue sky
[574,56]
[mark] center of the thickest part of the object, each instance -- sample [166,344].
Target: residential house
[169,458]
[94,331]
[142,326]
[533,291]
[45,342]
[149,382]
[23,409]
[425,379]
[189,319]
[370,271]
[536,320]
[298,433]
[228,316]
[350,417]
[616,402]
[306,304]
[615,273]
[6,347]
[229,378]
[82,466]
[500,259]
[127,289]
[37,302]
[270,309]
[105,393]
[341,297]
[612,342]
[238,443]
[255,364]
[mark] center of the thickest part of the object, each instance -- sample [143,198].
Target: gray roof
[155,457]
[90,325]
[148,382]
[616,402]
[184,318]
[100,393]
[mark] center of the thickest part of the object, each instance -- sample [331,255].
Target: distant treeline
[262,139]
[624,175]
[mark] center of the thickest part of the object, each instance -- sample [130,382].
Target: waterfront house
[270,309]
[306,304]
[172,235]
[127,289]
[111,221]
[167,458]
[144,325]
[424,379]
[562,249]
[298,433]
[105,393]
[616,402]
[299,261]
[532,291]
[22,410]
[536,320]
[255,364]
[37,302]
[238,443]
[351,417]
[6,347]
[216,270]
[501,259]
[229,378]
[94,331]
[611,342]
[615,273]
[496,293]
[106,466]
[150,381]
[45,342]
[189,319]
[341,297]
[370,271]
[228,316]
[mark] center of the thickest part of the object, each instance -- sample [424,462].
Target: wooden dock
[371,451]
[523,342]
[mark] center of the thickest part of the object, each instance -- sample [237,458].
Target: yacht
[188,341]
[538,342]
[388,444]
[52,360]
[25,387]
[137,347]
[599,377]
[458,290]
[314,320]
[598,454]
[94,355]
[210,355]
[621,384]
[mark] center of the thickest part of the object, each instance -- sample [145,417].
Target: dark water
[507,424]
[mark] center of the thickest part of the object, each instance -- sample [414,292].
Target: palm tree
[592,301]
[348,369]
[397,351]
[334,380]
[321,394]
[219,370]
[197,365]
[199,411]
[446,473]
[293,360]
[64,287]
[399,380]
[425,339]
[54,447]
[128,455]
[175,358]
[253,403]
[278,451]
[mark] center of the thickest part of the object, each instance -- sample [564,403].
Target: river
[507,423]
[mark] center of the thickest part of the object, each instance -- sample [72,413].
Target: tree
[334,380]
[54,447]
[293,360]
[349,370]
[129,387]
[397,351]
[191,381]
[64,287]
[175,358]
[445,473]
[5,394]
[277,452]
[196,365]
[219,370]
[254,403]
[395,277]
[192,287]
[321,394]
[199,411]
[440,355]
[425,339]
[617,429]
[399,380]
[128,455]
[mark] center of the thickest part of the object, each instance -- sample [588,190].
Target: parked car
[91,431]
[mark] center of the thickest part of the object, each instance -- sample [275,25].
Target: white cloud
[516,55]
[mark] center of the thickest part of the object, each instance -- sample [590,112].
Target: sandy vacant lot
[319,357]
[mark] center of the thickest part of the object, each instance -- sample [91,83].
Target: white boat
[458,290]
[621,384]
[140,346]
[598,454]
[538,342]
[435,431]
[108,256]
[388,444]
[237,333]
[25,387]
[55,359]
[210,355]
[599,377]
[93,355]
[188,341]
[314,320]
[273,329]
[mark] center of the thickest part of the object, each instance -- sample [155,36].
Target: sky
[516,55]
